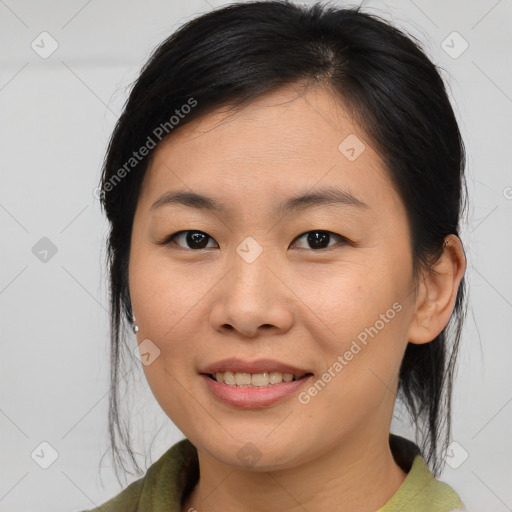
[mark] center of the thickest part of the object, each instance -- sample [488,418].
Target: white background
[56,117]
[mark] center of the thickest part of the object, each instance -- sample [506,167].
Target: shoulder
[433,494]
[420,491]
[126,501]
[163,485]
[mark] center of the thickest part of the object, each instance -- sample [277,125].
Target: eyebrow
[331,195]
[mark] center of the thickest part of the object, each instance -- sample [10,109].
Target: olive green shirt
[171,478]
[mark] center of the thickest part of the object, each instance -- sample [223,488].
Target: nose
[252,300]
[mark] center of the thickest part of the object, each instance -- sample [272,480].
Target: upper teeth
[255,379]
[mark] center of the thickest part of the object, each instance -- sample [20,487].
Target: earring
[135,326]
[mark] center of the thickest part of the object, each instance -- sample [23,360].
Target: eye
[320,239]
[193,238]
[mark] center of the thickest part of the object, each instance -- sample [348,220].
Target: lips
[236,365]
[250,397]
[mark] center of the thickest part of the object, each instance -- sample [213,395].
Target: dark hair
[233,55]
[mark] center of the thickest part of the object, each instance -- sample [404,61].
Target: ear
[437,293]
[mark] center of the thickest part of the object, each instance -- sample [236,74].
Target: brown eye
[318,239]
[193,239]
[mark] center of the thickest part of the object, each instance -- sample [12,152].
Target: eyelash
[170,239]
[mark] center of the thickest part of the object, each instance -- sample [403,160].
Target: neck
[356,475]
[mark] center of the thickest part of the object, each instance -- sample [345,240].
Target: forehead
[278,145]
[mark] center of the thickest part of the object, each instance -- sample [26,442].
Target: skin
[294,303]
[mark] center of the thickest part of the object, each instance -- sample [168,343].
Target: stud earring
[135,326]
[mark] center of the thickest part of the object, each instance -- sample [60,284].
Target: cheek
[162,294]
[353,297]
[169,384]
[361,352]
[365,314]
[166,303]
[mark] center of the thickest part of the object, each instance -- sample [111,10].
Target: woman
[284,189]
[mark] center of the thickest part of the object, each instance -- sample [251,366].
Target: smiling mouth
[263,379]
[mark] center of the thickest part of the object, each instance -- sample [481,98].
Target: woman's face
[325,286]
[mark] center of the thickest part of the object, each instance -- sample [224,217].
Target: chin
[258,453]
